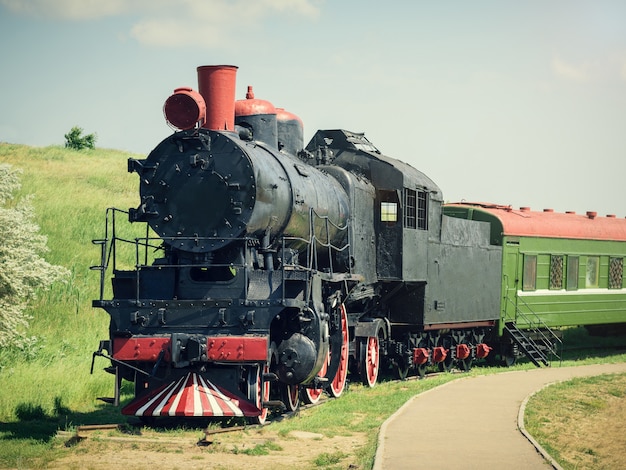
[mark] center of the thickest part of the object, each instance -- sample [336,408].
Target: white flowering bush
[23,270]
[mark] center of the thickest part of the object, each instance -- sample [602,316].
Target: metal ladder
[538,342]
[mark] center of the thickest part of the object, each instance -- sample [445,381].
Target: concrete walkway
[471,423]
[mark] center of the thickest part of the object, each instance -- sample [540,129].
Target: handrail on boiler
[112,247]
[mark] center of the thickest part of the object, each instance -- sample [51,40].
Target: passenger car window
[593,267]
[572,272]
[616,273]
[556,271]
[529,281]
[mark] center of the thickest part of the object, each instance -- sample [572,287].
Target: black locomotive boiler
[264,270]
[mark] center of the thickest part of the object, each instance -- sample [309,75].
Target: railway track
[130,432]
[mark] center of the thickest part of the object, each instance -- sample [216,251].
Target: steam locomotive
[264,271]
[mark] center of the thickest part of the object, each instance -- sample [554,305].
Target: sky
[510,102]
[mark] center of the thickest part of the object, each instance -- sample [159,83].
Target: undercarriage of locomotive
[221,375]
[399,351]
[225,375]
[443,348]
[227,340]
[390,336]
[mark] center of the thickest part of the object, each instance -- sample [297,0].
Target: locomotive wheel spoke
[258,392]
[311,396]
[290,396]
[338,383]
[369,360]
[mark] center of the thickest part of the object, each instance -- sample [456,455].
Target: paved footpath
[471,423]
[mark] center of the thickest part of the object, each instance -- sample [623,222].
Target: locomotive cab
[403,208]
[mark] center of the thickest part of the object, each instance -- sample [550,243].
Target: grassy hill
[71,192]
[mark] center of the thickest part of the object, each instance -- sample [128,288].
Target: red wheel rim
[264,394]
[312,395]
[339,381]
[291,397]
[371,360]
[259,392]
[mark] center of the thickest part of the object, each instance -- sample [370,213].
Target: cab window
[388,212]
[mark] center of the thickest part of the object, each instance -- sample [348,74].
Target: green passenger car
[558,269]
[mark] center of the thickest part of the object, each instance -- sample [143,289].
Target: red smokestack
[216,84]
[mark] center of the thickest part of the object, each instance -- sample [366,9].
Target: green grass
[47,387]
[49,380]
[580,422]
[259,449]
[326,459]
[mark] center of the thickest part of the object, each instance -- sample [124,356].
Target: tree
[22,269]
[75,140]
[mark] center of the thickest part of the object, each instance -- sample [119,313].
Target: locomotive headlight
[184,109]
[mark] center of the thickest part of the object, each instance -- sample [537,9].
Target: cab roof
[355,152]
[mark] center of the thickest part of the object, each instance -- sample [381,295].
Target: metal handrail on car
[537,325]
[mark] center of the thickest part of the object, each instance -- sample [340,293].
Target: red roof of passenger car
[547,223]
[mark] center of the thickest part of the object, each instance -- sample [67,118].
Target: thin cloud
[300,7]
[569,71]
[176,23]
[602,69]
[213,23]
[75,10]
[175,32]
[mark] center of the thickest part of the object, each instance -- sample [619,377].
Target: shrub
[23,270]
[75,140]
